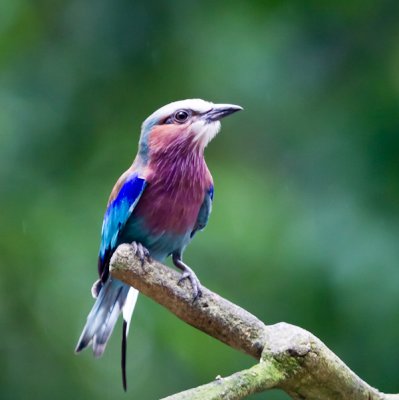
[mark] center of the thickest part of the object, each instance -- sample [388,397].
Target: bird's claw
[141,252]
[195,283]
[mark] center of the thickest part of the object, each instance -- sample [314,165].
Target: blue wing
[116,215]
[204,212]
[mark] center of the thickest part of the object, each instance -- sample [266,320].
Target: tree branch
[291,358]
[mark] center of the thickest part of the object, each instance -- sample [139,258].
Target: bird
[157,205]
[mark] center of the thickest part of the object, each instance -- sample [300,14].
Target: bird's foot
[141,252]
[189,274]
[195,283]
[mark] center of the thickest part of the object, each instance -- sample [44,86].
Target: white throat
[204,131]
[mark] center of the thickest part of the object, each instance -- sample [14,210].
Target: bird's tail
[114,297]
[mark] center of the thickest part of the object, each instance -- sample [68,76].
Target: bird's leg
[141,252]
[188,273]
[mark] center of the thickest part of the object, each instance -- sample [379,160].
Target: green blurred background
[305,221]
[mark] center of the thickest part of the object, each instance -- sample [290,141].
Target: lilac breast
[174,193]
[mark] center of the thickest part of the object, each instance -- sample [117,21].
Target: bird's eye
[181,116]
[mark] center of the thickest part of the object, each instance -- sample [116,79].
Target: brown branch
[291,358]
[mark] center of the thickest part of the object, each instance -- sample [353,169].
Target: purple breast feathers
[176,187]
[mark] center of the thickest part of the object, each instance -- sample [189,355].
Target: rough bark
[290,358]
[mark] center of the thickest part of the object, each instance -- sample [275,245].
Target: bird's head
[191,123]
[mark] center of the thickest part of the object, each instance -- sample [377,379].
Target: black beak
[220,111]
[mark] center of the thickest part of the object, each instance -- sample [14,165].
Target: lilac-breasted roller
[158,205]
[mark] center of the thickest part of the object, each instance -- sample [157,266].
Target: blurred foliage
[305,221]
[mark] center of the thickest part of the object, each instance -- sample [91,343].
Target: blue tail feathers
[103,316]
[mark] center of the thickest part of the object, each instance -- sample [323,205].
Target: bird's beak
[220,111]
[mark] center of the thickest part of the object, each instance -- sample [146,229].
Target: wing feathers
[119,209]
